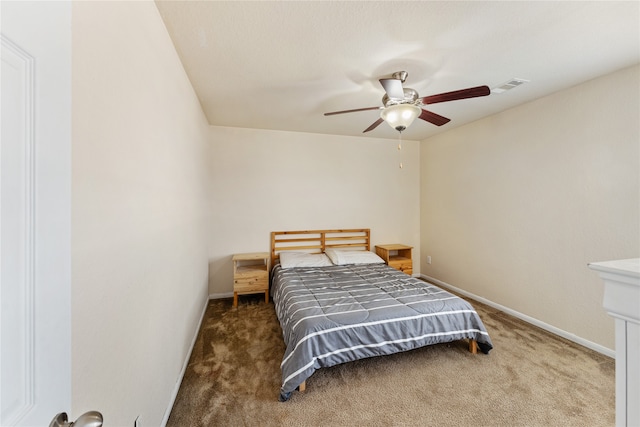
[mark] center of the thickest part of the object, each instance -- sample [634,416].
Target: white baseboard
[564,334]
[176,388]
[221,295]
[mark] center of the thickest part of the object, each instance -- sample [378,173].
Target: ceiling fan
[402,105]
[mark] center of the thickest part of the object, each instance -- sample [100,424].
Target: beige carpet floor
[530,378]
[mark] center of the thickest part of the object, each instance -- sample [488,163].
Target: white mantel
[622,301]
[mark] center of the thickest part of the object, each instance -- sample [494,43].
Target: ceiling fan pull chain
[400,148]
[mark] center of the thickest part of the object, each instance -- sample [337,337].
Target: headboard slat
[316,241]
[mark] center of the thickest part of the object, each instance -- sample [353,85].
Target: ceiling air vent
[509,85]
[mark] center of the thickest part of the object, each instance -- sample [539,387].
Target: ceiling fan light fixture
[400,116]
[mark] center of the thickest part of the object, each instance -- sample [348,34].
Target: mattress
[336,314]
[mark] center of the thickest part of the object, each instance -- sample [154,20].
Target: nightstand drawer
[250,284]
[405,265]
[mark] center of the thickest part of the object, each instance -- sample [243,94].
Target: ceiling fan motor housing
[410,97]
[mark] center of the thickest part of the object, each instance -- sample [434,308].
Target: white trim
[221,295]
[176,388]
[24,62]
[564,334]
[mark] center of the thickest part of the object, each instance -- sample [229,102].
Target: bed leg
[473,346]
[302,387]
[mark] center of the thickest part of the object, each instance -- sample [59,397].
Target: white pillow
[343,257]
[303,259]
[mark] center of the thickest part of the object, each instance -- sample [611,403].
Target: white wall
[265,181]
[140,225]
[514,206]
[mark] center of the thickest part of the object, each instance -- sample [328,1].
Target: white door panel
[35,206]
[17,251]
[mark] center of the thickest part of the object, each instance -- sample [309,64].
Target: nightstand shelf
[251,274]
[397,256]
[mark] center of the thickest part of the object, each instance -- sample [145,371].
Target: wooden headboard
[316,241]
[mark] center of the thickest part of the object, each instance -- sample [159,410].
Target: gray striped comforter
[337,314]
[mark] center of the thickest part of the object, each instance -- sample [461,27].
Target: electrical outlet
[137,422]
[428,259]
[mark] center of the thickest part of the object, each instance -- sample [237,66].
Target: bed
[337,303]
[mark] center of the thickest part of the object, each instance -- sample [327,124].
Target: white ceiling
[281,65]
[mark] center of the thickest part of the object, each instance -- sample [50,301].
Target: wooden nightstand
[251,275]
[397,256]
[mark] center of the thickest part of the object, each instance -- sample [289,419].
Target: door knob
[88,419]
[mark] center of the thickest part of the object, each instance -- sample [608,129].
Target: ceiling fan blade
[373,125]
[434,118]
[352,111]
[393,87]
[471,92]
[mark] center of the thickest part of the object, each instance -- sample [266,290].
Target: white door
[35,212]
